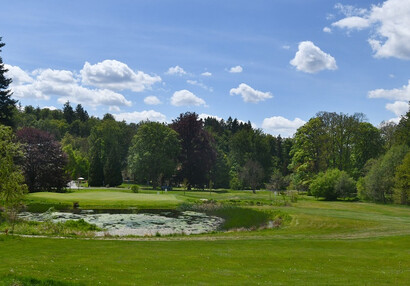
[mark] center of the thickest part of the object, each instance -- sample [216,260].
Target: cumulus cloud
[176,70]
[327,30]
[311,59]
[279,125]
[136,116]
[152,100]
[18,75]
[206,74]
[236,69]
[390,21]
[402,94]
[186,98]
[249,94]
[115,75]
[63,84]
[398,107]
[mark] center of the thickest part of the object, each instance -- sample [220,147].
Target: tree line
[332,156]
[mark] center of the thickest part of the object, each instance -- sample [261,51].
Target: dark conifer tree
[7,104]
[96,171]
[112,169]
[68,111]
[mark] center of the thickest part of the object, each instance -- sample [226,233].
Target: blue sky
[275,63]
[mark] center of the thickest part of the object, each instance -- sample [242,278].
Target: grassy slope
[327,243]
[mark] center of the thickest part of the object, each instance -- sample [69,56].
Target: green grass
[106,199]
[376,261]
[325,243]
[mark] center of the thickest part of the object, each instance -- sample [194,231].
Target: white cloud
[50,107]
[349,10]
[402,94]
[395,120]
[186,98]
[200,84]
[152,100]
[352,23]
[279,125]
[286,47]
[236,69]
[94,97]
[64,85]
[115,75]
[206,74]
[398,107]
[249,94]
[136,116]
[390,21]
[204,116]
[311,59]
[18,75]
[327,30]
[176,70]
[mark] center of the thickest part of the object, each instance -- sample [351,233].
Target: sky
[275,63]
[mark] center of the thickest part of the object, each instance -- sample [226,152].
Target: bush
[345,186]
[135,189]
[235,183]
[333,184]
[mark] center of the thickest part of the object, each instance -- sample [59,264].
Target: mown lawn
[107,199]
[326,243]
[373,261]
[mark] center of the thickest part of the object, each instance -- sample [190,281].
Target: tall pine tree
[96,171]
[7,104]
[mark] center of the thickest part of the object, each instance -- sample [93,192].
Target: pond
[136,222]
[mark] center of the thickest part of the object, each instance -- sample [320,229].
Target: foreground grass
[377,261]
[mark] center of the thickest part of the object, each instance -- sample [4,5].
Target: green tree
[367,143]
[252,174]
[77,165]
[96,169]
[7,104]
[378,184]
[402,132]
[105,153]
[12,188]
[153,155]
[402,182]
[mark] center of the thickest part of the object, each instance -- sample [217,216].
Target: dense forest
[332,156]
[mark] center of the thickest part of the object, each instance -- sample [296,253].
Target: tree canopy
[153,155]
[44,161]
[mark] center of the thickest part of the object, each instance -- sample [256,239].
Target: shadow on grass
[22,280]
